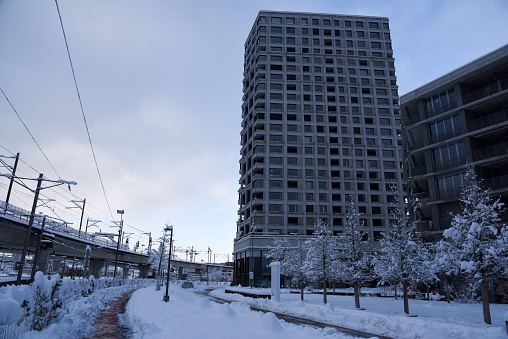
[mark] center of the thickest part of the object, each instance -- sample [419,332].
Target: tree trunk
[324,293]
[357,294]
[404,291]
[333,284]
[485,301]
[302,287]
[447,289]
[395,286]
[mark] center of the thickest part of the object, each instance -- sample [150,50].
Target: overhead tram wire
[19,117]
[81,106]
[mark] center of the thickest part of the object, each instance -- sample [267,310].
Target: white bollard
[275,265]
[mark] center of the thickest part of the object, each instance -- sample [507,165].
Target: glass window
[275,184]
[275,161]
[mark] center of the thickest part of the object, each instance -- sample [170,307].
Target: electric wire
[81,106]
[26,127]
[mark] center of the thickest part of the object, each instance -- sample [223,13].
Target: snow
[77,323]
[385,316]
[9,311]
[190,315]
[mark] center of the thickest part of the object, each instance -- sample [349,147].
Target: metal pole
[86,227]
[29,229]
[37,251]
[11,182]
[82,212]
[117,249]
[166,297]
[119,240]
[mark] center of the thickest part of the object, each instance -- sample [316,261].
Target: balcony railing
[491,151]
[496,182]
[440,109]
[453,192]
[450,163]
[446,135]
[488,120]
[485,91]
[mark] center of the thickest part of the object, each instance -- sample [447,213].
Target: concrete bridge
[60,240]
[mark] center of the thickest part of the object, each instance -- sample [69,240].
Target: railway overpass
[61,242]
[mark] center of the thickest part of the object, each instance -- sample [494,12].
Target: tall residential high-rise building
[459,118]
[321,125]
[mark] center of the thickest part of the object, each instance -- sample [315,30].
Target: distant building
[320,124]
[459,118]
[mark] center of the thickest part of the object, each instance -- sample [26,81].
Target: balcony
[446,135]
[454,192]
[418,170]
[450,163]
[485,91]
[489,120]
[491,151]
[496,183]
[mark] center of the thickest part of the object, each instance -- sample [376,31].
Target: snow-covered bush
[48,299]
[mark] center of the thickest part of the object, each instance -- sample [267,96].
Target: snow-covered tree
[444,263]
[292,257]
[323,251]
[478,243]
[295,264]
[354,264]
[400,259]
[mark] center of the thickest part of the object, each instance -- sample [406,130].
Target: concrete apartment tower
[459,118]
[321,124]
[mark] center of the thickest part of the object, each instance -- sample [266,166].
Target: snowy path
[107,322]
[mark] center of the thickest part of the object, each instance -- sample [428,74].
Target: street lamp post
[251,265]
[121,212]
[168,228]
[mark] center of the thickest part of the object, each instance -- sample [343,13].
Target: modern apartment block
[321,124]
[460,118]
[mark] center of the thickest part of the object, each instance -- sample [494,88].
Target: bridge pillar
[125,271]
[42,261]
[143,270]
[180,272]
[95,267]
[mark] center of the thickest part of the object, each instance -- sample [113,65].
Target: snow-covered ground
[189,315]
[385,316]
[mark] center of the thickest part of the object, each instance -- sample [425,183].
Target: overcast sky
[161,85]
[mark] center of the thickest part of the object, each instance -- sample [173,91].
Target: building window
[275,208]
[276,20]
[449,156]
[445,128]
[440,102]
[275,196]
[275,172]
[275,184]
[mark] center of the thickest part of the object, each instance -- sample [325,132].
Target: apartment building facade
[459,118]
[320,125]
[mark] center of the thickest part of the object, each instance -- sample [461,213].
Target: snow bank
[385,316]
[10,311]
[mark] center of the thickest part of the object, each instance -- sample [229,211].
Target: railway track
[301,321]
